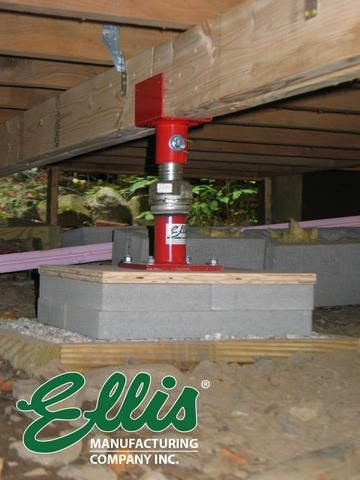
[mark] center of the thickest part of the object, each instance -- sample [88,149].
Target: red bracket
[149,104]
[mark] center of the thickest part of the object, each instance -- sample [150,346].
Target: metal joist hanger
[111,38]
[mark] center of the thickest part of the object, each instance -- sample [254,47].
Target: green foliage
[21,193]
[223,203]
[215,202]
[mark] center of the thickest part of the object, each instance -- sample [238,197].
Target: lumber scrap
[95,355]
[112,274]
[256,53]
[26,352]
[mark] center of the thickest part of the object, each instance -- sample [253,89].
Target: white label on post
[176,234]
[164,188]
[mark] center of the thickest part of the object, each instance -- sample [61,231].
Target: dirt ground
[286,419]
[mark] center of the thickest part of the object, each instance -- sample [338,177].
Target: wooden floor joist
[254,54]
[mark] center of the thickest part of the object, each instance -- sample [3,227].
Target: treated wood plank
[256,53]
[247,148]
[110,274]
[24,98]
[308,120]
[157,13]
[96,355]
[277,136]
[341,100]
[69,40]
[24,72]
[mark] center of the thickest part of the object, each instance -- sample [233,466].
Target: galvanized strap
[111,37]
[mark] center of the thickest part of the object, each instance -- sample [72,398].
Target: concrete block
[143,311]
[337,266]
[87,236]
[262,297]
[231,252]
[188,325]
[52,312]
[133,241]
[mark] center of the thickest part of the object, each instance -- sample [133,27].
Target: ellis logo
[182,415]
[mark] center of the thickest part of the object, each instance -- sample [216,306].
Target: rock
[36,473]
[304,413]
[153,475]
[138,205]
[50,460]
[23,389]
[72,209]
[14,418]
[107,204]
[86,472]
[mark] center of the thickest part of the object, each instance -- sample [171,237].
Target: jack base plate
[171,267]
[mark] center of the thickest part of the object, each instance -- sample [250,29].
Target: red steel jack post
[170,197]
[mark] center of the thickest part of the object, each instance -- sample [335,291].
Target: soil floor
[286,419]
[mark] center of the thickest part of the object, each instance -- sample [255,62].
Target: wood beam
[306,120]
[246,148]
[7,113]
[256,53]
[24,72]
[277,136]
[52,196]
[157,13]
[24,98]
[343,100]
[69,40]
[226,158]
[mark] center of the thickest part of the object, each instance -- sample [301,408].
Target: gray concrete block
[52,313]
[262,297]
[337,267]
[231,252]
[158,298]
[86,236]
[188,325]
[70,291]
[132,241]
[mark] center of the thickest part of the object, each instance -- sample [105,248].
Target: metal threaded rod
[170,171]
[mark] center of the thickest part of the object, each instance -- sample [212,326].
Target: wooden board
[25,352]
[24,98]
[256,53]
[29,353]
[113,274]
[69,40]
[157,13]
[96,355]
[25,72]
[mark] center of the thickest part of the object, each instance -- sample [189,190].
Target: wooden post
[286,198]
[267,200]
[52,196]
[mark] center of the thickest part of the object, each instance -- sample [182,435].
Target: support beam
[297,119]
[24,72]
[245,148]
[52,196]
[157,13]
[343,100]
[24,98]
[286,198]
[256,53]
[6,114]
[69,40]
